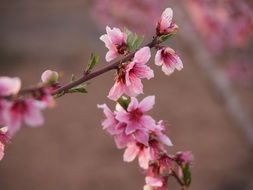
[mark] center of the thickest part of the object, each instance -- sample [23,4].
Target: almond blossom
[28,110]
[165,25]
[115,41]
[135,117]
[129,77]
[169,60]
[138,132]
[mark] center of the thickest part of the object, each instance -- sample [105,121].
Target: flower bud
[49,77]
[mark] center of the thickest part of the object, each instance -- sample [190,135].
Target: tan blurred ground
[71,151]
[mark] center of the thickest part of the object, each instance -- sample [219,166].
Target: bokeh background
[209,112]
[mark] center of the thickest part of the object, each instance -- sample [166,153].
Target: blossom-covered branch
[131,127]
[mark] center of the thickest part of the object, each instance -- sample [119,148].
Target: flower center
[19,107]
[136,115]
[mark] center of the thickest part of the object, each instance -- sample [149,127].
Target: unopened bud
[49,77]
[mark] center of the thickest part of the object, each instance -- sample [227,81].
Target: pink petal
[131,152]
[129,68]
[107,111]
[1,151]
[154,181]
[107,42]
[132,127]
[142,56]
[9,86]
[166,18]
[33,117]
[144,157]
[110,55]
[133,104]
[142,137]
[116,91]
[147,103]
[135,88]
[122,116]
[168,69]
[123,140]
[116,36]
[178,63]
[143,71]
[158,58]
[148,122]
[164,139]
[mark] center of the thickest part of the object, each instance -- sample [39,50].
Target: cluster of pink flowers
[143,138]
[132,128]
[16,109]
[223,24]
[129,124]
[129,75]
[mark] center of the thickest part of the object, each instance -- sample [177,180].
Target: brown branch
[105,69]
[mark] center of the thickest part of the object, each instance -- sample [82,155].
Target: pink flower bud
[184,157]
[49,77]
[165,25]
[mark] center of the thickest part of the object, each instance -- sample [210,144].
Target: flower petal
[142,56]
[131,152]
[147,103]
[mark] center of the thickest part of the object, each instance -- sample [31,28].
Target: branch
[112,66]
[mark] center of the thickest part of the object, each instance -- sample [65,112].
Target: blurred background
[208,104]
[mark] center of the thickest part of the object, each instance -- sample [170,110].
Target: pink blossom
[129,77]
[115,41]
[118,129]
[9,86]
[135,117]
[28,110]
[169,60]
[165,25]
[136,149]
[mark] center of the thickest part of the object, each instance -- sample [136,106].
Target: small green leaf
[133,40]
[59,94]
[124,101]
[78,89]
[92,62]
[166,37]
[187,175]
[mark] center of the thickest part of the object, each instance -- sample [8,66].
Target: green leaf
[59,94]
[78,89]
[92,62]
[133,40]
[124,101]
[166,37]
[187,175]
